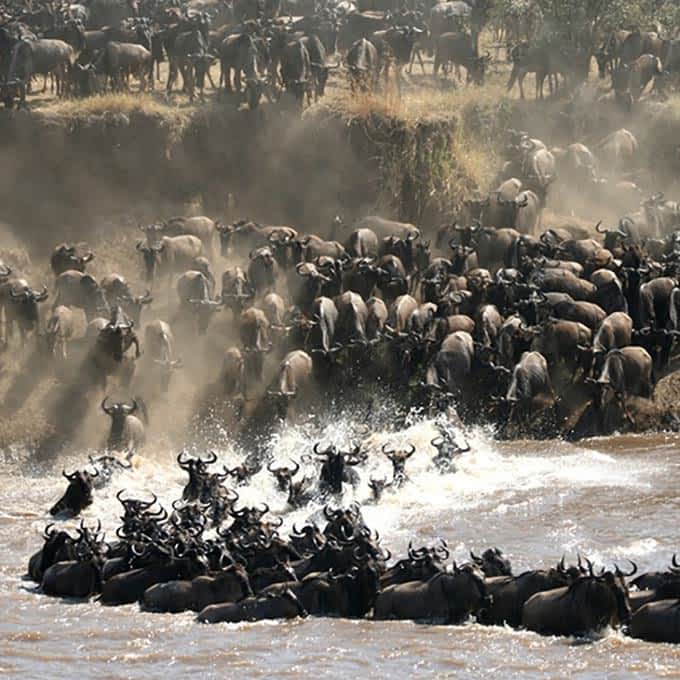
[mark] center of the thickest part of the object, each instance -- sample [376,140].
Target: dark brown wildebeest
[284,606]
[296,72]
[586,606]
[458,49]
[450,598]
[363,66]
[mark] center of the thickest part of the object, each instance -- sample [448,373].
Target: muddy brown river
[610,499]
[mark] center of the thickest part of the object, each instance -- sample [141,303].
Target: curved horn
[631,573]
[387,452]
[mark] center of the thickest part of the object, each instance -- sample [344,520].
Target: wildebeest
[171,255]
[20,305]
[296,71]
[120,60]
[657,621]
[75,289]
[68,256]
[127,430]
[42,56]
[78,494]
[362,63]
[447,598]
[284,606]
[458,49]
[59,331]
[584,607]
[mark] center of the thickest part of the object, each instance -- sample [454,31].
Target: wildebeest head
[227,231]
[284,475]
[58,547]
[398,458]
[116,338]
[605,594]
[314,281]
[27,301]
[197,469]
[133,305]
[468,579]
[67,256]
[118,410]
[378,487]
[492,562]
[78,494]
[308,540]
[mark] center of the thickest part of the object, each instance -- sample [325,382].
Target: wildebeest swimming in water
[247,571]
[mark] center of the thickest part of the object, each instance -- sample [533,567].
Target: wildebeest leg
[172,75]
[210,80]
[520,82]
[44,88]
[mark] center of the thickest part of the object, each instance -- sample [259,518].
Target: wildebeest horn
[475,558]
[182,463]
[598,230]
[674,561]
[212,457]
[621,573]
[589,564]
[104,408]
[387,452]
[148,504]
[68,476]
[321,453]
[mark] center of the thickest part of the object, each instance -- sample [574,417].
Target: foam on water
[495,482]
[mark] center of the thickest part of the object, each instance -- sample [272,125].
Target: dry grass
[119,103]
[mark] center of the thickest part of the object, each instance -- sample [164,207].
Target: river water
[609,498]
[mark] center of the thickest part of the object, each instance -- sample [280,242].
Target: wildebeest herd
[268,48]
[547,329]
[540,330]
[231,564]
[497,317]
